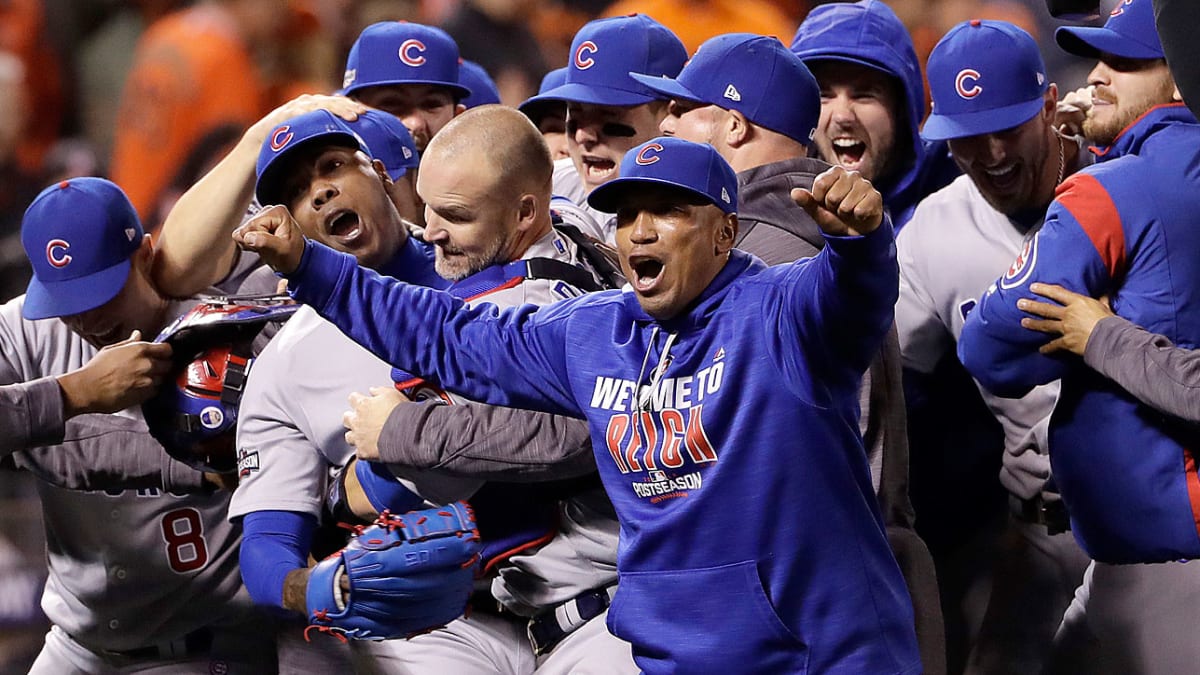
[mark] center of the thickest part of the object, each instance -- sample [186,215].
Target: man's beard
[460,268]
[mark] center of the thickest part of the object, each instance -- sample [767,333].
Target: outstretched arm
[468,440]
[515,358]
[193,250]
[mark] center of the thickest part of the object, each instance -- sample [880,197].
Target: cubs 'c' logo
[960,83]
[1018,273]
[56,252]
[1120,8]
[644,157]
[282,136]
[406,49]
[584,62]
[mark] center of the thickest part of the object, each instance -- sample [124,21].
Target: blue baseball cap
[695,167]
[753,74]
[1128,33]
[535,107]
[604,53]
[291,135]
[984,76]
[399,52]
[483,89]
[79,235]
[388,140]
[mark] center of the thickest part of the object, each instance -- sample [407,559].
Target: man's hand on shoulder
[842,203]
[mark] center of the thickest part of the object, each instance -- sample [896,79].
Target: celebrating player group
[686,365]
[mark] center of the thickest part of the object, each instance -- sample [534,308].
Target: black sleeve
[1177,21]
[488,442]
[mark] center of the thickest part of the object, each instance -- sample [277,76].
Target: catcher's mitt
[407,574]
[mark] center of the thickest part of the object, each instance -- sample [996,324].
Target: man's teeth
[1001,172]
[844,143]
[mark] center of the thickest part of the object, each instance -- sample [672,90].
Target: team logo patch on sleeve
[1018,273]
[247,462]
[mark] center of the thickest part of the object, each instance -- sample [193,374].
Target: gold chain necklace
[1062,159]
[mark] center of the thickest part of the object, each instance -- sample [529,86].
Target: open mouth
[344,225]
[598,169]
[1003,178]
[646,273]
[849,152]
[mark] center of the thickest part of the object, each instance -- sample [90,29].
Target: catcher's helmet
[194,414]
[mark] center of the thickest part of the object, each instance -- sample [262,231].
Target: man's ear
[459,109]
[527,211]
[1176,96]
[381,171]
[726,233]
[737,129]
[1050,101]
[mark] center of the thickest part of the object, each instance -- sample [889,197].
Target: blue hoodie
[726,437]
[870,34]
[1124,227]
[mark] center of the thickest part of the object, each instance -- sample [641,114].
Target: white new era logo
[724,195]
[130,233]
[732,93]
[407,153]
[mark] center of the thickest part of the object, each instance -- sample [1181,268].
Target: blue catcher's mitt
[407,574]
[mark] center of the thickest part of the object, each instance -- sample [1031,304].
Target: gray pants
[1131,620]
[485,645]
[236,650]
[1033,581]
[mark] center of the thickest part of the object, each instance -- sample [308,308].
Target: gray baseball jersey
[954,247]
[567,185]
[126,569]
[290,436]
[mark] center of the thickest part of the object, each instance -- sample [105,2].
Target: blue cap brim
[607,197]
[947,127]
[1090,42]
[459,90]
[574,92]
[47,300]
[536,108]
[668,87]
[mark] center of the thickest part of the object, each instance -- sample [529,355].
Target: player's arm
[515,357]
[468,440]
[1080,247]
[839,303]
[193,250]
[924,337]
[1147,365]
[109,452]
[274,557]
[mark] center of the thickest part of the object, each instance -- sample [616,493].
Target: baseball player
[192,250]
[995,107]
[757,104]
[1116,229]
[409,70]
[550,117]
[872,101]
[139,580]
[703,590]
[607,111]
[290,431]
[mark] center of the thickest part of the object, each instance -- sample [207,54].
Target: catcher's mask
[194,414]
